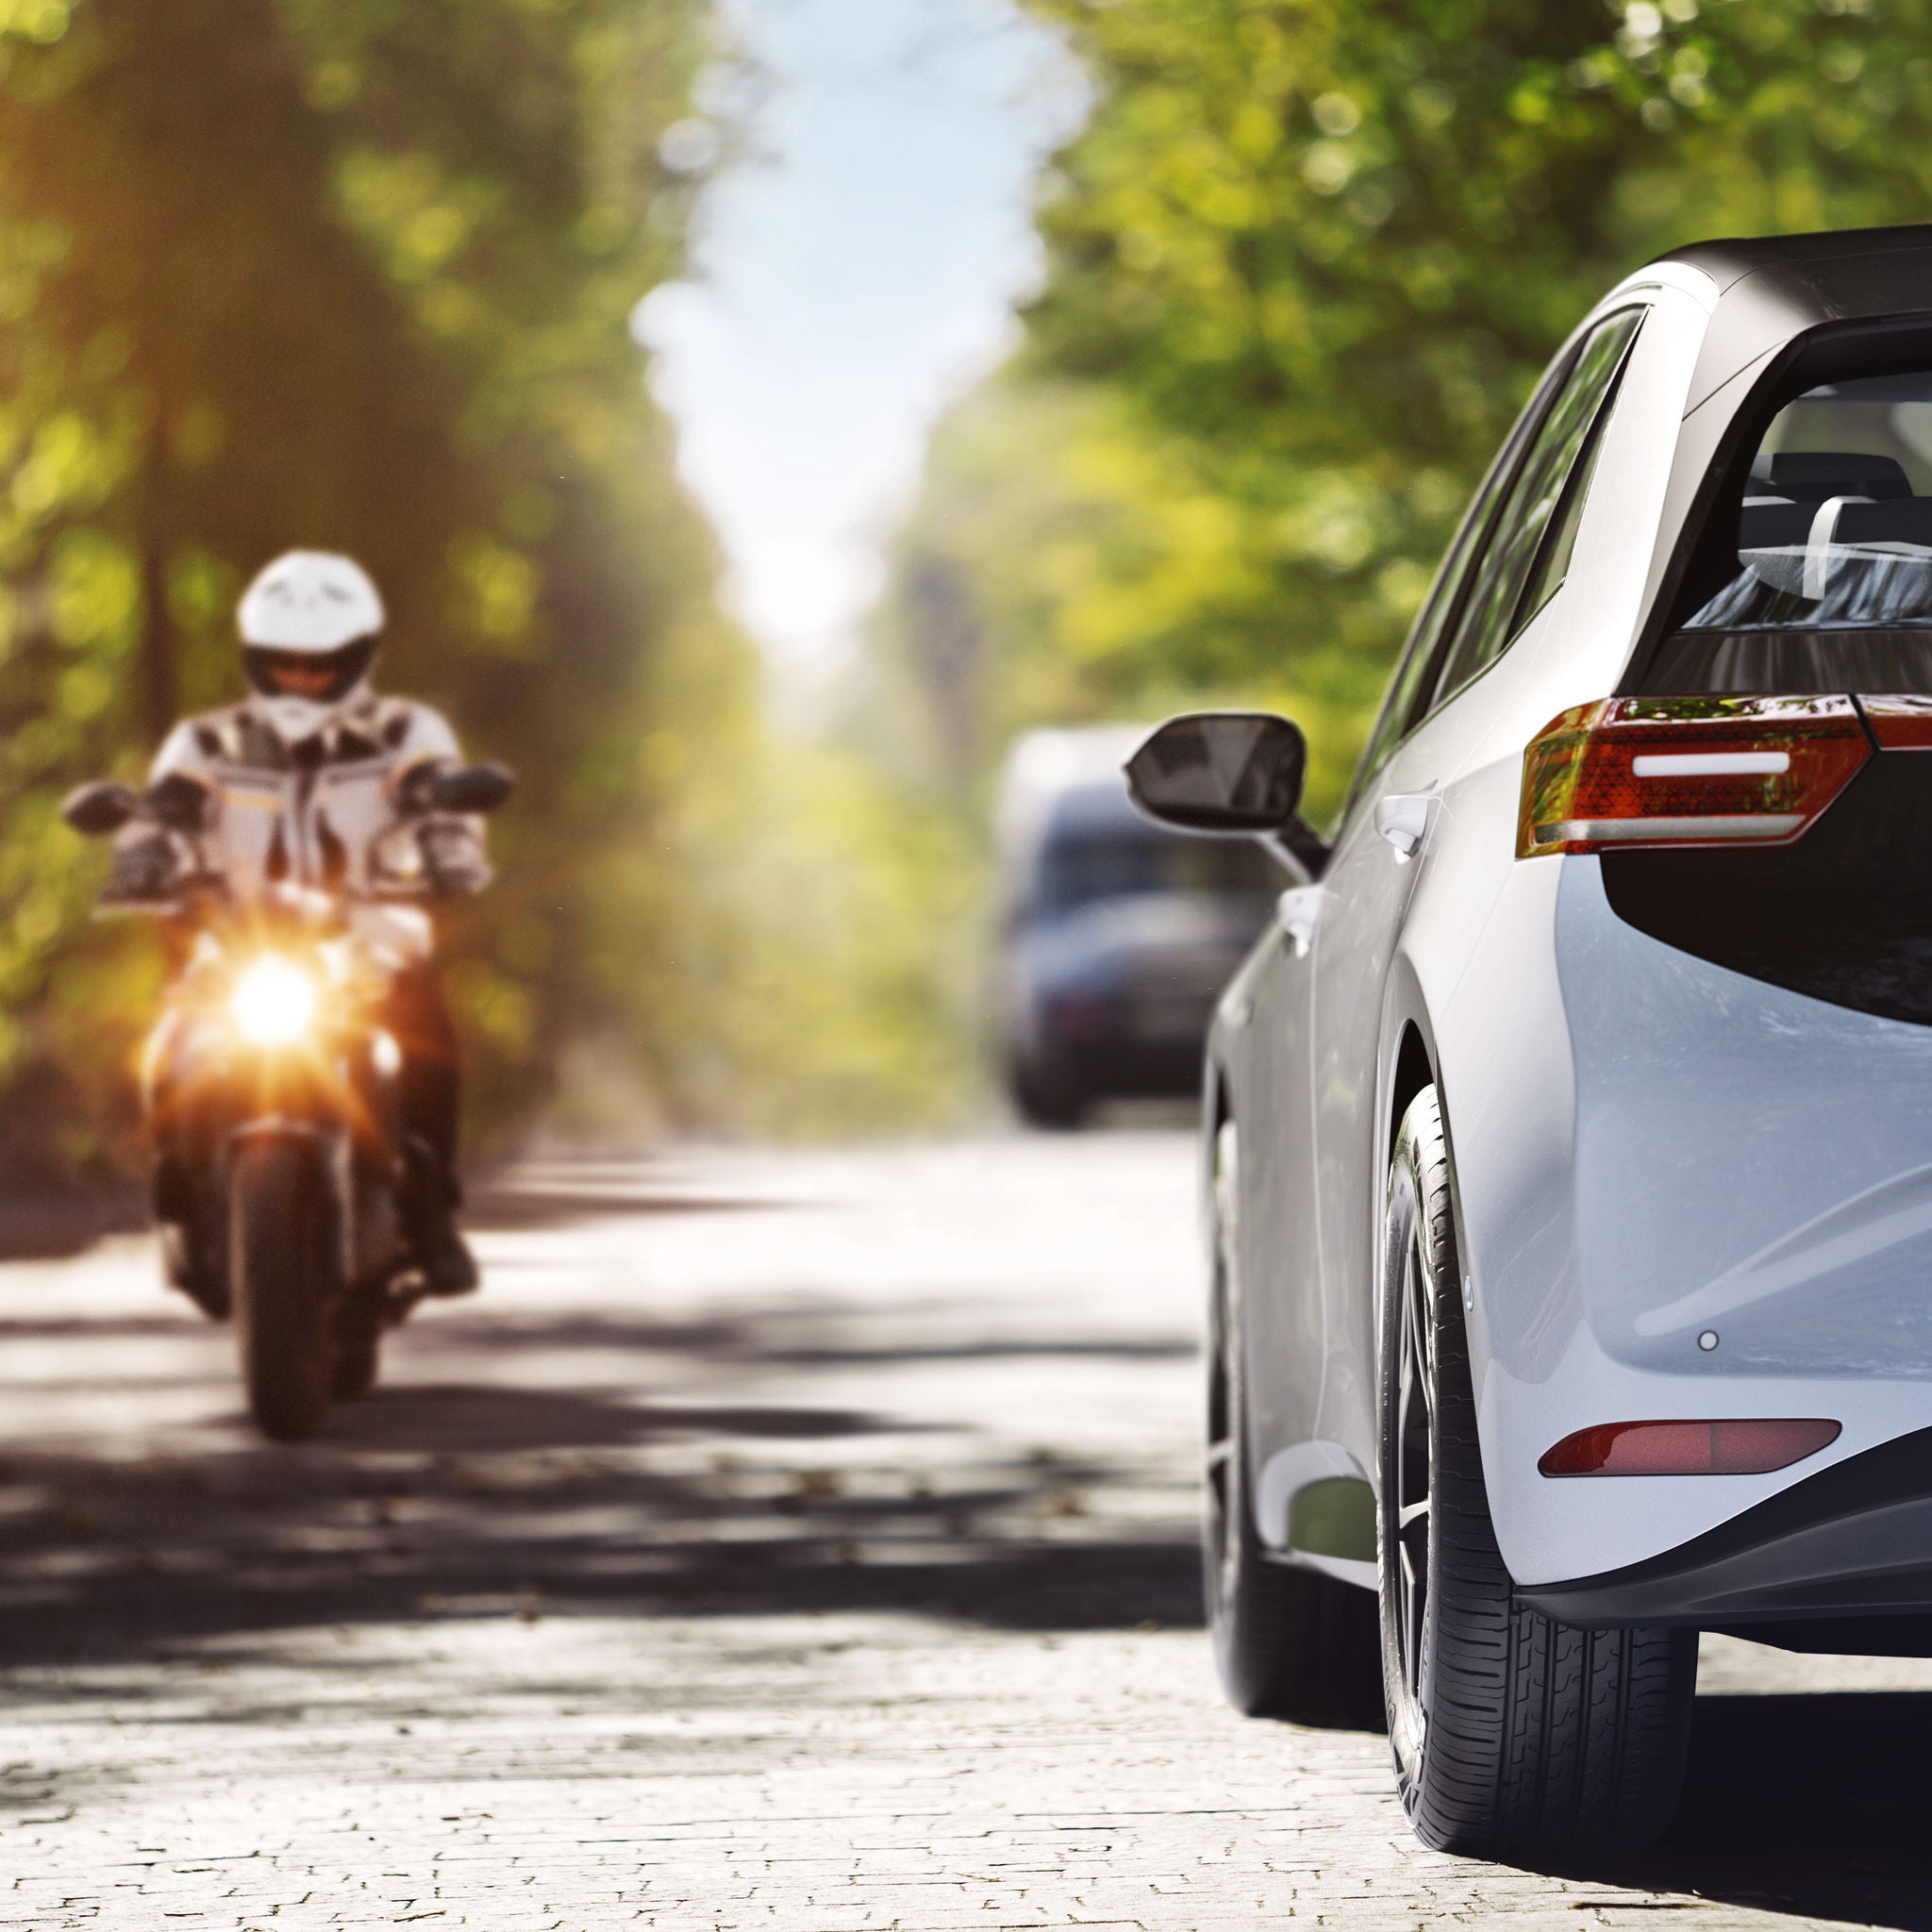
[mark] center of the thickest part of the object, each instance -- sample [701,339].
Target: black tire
[1048,1095]
[188,1265]
[1514,1736]
[360,1322]
[279,1227]
[1288,1642]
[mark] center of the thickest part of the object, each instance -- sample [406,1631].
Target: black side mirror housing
[1226,772]
[179,802]
[96,810]
[470,787]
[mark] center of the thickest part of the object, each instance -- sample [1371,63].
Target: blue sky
[852,274]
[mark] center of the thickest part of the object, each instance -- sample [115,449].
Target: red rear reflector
[1699,771]
[1709,1448]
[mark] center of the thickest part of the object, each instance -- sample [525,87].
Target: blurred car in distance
[1117,934]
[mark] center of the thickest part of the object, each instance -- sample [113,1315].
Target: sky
[853,273]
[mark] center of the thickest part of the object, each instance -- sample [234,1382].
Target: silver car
[1569,1136]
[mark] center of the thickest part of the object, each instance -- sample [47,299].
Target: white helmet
[310,624]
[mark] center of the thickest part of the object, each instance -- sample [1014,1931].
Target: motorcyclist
[318,779]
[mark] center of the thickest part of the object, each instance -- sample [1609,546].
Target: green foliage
[1070,560]
[835,963]
[1304,263]
[352,275]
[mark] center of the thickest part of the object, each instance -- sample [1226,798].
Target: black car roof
[1778,287]
[1838,264]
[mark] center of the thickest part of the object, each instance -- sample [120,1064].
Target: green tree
[355,274]
[1305,262]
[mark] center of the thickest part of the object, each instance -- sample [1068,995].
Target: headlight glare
[273,1002]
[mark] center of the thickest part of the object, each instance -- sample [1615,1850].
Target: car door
[1284,1309]
[1384,841]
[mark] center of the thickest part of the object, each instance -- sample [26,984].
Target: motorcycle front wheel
[279,1269]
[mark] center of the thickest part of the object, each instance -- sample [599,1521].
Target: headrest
[1812,474]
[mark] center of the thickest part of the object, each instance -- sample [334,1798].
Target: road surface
[795,1541]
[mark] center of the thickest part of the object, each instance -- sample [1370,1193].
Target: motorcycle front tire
[279,1222]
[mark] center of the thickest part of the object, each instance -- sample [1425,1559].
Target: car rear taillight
[1731,1447]
[1899,723]
[1695,771]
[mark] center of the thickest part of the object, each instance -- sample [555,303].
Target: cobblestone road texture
[799,1543]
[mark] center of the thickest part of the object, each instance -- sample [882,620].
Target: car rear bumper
[1841,1560]
[1686,1194]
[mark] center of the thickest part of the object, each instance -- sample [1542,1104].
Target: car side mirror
[1229,772]
[96,810]
[470,787]
[179,802]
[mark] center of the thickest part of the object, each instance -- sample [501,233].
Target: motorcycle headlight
[273,1002]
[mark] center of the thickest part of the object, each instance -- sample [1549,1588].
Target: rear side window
[1535,530]
[1407,700]
[1403,705]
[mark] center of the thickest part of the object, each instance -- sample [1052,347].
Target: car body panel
[1483,729]
[1279,1224]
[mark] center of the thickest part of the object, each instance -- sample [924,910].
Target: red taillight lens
[1699,771]
[1901,723]
[1748,1447]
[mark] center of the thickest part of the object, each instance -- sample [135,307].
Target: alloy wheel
[1415,1412]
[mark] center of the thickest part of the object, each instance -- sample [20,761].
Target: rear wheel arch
[1414,1068]
[1514,1736]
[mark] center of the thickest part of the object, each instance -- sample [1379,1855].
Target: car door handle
[1297,912]
[1403,819]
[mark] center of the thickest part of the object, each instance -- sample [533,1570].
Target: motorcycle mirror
[1220,772]
[179,802]
[99,809]
[471,788]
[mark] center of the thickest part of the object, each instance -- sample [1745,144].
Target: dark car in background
[1118,935]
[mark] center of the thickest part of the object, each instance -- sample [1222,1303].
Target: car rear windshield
[1078,868]
[1836,529]
[1831,558]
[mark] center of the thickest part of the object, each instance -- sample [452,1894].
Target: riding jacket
[329,811]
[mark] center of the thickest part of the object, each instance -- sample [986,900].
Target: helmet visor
[323,677]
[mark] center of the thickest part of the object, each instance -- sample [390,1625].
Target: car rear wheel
[1288,1642]
[1514,1736]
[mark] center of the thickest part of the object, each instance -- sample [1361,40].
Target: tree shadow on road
[1812,1805]
[450,1498]
[457,1499]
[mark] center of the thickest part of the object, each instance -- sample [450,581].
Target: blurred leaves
[1305,262]
[351,274]
[836,956]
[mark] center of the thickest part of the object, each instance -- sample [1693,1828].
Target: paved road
[798,1543]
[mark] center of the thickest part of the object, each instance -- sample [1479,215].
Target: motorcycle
[285,1186]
